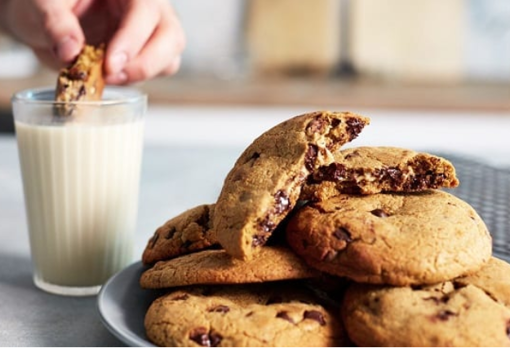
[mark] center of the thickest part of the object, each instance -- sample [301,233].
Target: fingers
[139,52]
[160,56]
[46,25]
[62,29]
[135,29]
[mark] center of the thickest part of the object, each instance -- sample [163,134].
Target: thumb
[64,31]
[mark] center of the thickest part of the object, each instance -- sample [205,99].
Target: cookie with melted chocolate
[370,170]
[265,182]
[472,311]
[391,238]
[271,314]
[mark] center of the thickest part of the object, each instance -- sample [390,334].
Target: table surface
[188,151]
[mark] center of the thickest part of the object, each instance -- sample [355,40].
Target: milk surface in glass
[81,179]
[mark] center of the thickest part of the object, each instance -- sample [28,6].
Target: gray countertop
[188,152]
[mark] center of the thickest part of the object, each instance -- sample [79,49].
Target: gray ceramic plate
[122,305]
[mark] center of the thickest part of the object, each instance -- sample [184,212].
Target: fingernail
[118,61]
[67,49]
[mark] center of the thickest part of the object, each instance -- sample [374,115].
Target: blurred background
[445,55]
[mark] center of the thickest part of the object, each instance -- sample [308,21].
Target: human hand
[144,38]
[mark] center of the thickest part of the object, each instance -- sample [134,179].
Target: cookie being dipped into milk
[80,158]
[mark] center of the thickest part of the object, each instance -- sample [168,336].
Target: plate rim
[128,337]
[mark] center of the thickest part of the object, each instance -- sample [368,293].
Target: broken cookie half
[370,170]
[82,80]
[265,183]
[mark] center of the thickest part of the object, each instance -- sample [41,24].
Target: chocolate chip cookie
[217,267]
[391,238]
[369,170]
[83,80]
[187,232]
[467,312]
[258,315]
[266,180]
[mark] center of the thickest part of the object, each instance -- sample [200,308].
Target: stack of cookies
[310,244]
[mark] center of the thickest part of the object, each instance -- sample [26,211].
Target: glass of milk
[81,176]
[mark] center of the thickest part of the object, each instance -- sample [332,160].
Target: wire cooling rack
[487,189]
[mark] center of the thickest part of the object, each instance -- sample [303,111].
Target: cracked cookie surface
[276,314]
[266,180]
[471,311]
[217,267]
[185,233]
[391,238]
[369,170]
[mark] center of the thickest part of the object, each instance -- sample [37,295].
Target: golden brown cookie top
[185,233]
[217,267]
[391,238]
[463,312]
[270,314]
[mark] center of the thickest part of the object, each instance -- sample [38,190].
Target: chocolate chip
[81,92]
[203,220]
[379,213]
[282,202]
[219,309]
[335,123]
[342,234]
[354,127]
[180,297]
[311,156]
[458,285]
[204,338]
[259,240]
[444,315]
[186,244]
[171,232]
[355,153]
[315,315]
[77,74]
[253,158]
[154,239]
[508,329]
[215,339]
[316,125]
[332,172]
[393,173]
[285,316]
[267,225]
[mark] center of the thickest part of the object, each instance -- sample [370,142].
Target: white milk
[81,186]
